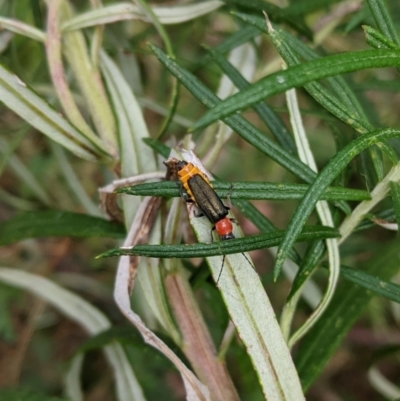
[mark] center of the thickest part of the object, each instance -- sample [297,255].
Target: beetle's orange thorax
[188,171]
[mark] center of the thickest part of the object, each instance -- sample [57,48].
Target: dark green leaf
[388,150]
[387,214]
[307,266]
[57,224]
[347,305]
[248,190]
[305,7]
[276,14]
[300,75]
[376,40]
[344,106]
[375,155]
[261,222]
[383,19]
[21,395]
[327,175]
[238,38]
[241,126]
[266,114]
[364,164]
[337,84]
[232,246]
[124,335]
[379,287]
[157,146]
[390,85]
[358,18]
[8,295]
[395,192]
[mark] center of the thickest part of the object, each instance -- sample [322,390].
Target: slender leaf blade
[377,40]
[383,20]
[241,126]
[300,75]
[24,395]
[347,305]
[53,223]
[327,175]
[237,245]
[395,192]
[384,288]
[267,115]
[249,190]
[16,95]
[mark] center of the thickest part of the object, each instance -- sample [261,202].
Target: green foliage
[249,190]
[17,395]
[349,302]
[225,248]
[305,100]
[57,224]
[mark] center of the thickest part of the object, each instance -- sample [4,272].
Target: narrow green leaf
[340,101]
[28,105]
[248,190]
[376,157]
[300,8]
[87,76]
[327,175]
[347,305]
[369,176]
[24,395]
[356,19]
[58,74]
[157,146]
[238,38]
[307,266]
[126,11]
[174,95]
[261,222]
[276,14]
[267,115]
[388,150]
[338,84]
[21,28]
[102,15]
[384,288]
[376,40]
[232,246]
[386,214]
[57,224]
[395,192]
[136,158]
[391,85]
[24,174]
[242,127]
[300,75]
[383,19]
[73,183]
[124,335]
[345,111]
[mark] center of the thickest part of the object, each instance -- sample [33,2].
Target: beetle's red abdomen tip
[224,228]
